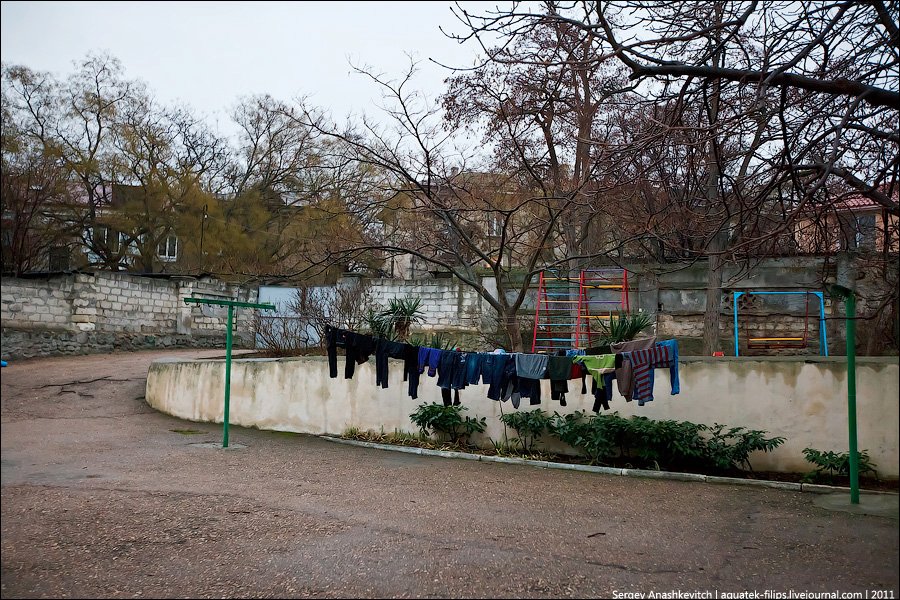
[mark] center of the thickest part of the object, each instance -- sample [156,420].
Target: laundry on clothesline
[512,376]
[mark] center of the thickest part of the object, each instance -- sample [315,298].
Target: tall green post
[849,298]
[227,378]
[231,304]
[851,396]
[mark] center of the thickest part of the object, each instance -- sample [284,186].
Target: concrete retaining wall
[802,400]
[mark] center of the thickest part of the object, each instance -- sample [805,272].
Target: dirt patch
[102,499]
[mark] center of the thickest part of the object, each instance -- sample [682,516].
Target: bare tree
[550,112]
[461,211]
[73,121]
[167,160]
[34,199]
[802,95]
[309,311]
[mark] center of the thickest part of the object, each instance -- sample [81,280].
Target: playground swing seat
[769,343]
[777,340]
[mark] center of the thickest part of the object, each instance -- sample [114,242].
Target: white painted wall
[802,400]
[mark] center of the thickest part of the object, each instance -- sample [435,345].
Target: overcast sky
[207,54]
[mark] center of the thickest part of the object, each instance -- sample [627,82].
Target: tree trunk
[513,332]
[713,297]
[720,237]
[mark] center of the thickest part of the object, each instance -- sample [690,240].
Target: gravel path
[101,498]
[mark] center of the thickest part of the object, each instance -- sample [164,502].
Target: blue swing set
[783,341]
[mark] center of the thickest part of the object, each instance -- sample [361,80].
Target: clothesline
[513,376]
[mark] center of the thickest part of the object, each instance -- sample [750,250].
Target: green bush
[379,327]
[661,444]
[529,425]
[670,444]
[446,420]
[836,463]
[399,316]
[394,321]
[597,437]
[624,327]
[732,448]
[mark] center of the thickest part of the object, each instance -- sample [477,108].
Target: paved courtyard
[100,497]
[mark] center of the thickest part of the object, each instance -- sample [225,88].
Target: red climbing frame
[562,319]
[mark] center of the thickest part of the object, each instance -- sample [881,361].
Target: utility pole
[202,227]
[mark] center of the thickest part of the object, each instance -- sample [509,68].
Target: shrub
[529,425]
[307,314]
[397,437]
[597,437]
[662,444]
[282,335]
[446,420]
[667,443]
[624,327]
[836,463]
[379,327]
[732,448]
[344,306]
[399,316]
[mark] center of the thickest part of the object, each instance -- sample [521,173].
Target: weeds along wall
[103,311]
[801,399]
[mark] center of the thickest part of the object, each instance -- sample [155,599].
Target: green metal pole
[227,377]
[231,304]
[851,396]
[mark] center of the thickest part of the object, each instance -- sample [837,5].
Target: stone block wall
[689,328]
[446,303]
[121,302]
[673,295]
[678,297]
[33,302]
[103,311]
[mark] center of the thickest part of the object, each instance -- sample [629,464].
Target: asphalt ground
[101,497]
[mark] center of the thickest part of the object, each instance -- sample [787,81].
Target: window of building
[495,224]
[168,249]
[865,232]
[60,258]
[106,237]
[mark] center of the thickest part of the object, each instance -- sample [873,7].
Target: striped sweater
[643,362]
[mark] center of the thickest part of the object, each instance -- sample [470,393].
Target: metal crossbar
[231,304]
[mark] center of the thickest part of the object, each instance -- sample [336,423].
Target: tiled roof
[858,202]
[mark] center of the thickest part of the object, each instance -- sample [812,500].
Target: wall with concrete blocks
[446,303]
[803,400]
[675,295]
[103,311]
